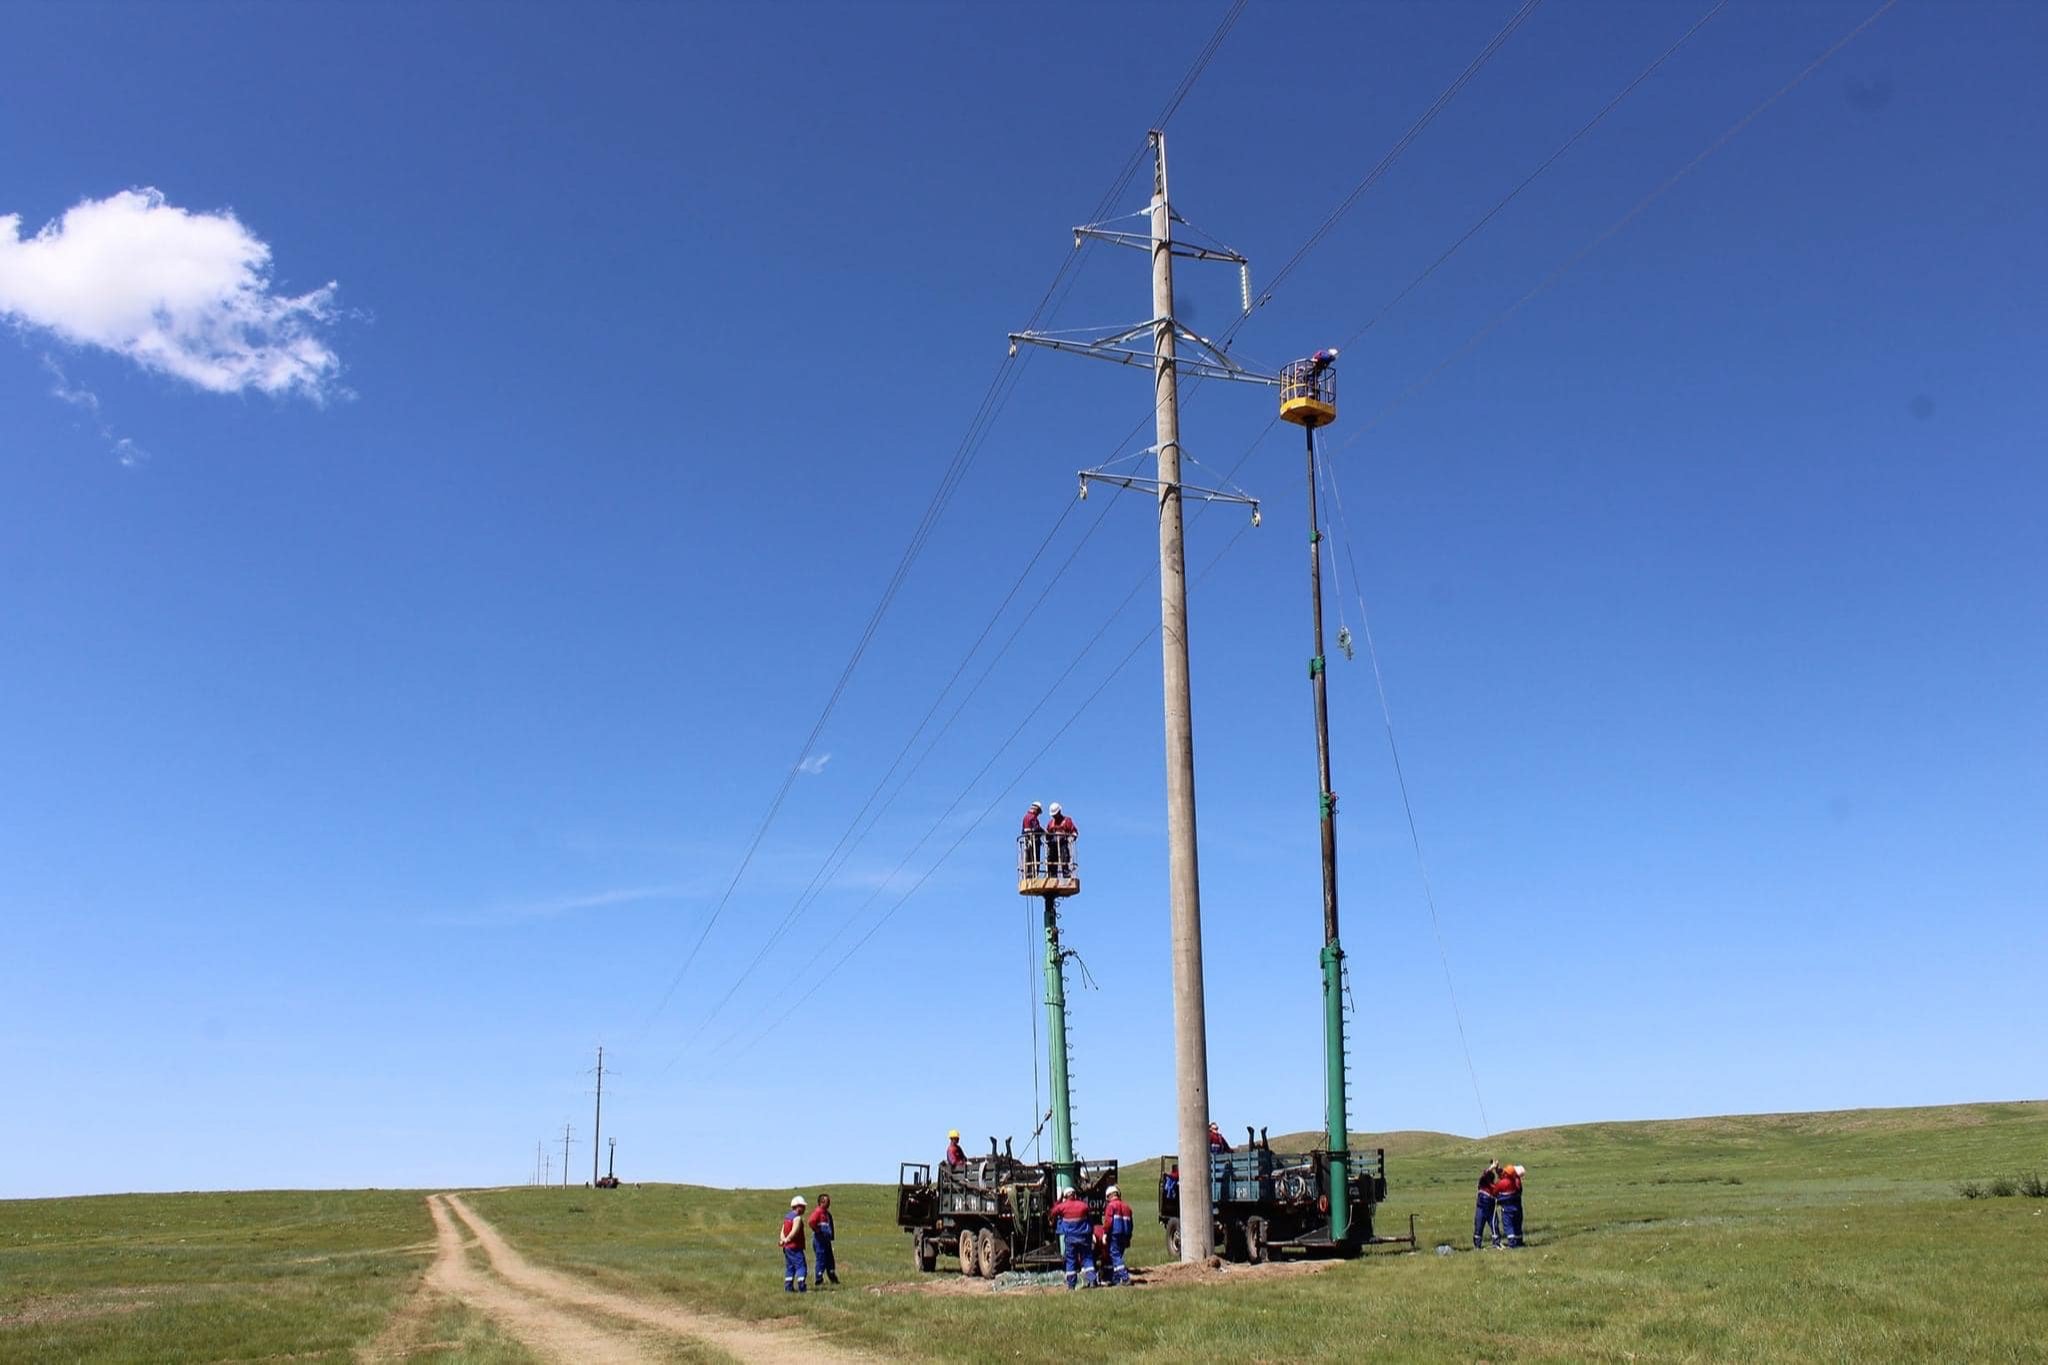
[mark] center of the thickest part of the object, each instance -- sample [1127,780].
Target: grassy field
[1832,1237]
[209,1277]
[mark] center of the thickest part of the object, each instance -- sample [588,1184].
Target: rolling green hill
[1770,1237]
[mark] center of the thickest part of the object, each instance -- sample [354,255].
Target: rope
[1407,807]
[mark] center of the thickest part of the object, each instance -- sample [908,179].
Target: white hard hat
[1067,1192]
[797,1202]
[1114,1190]
[1054,808]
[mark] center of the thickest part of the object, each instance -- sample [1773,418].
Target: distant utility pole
[597,1125]
[539,1161]
[566,1140]
[1190,1024]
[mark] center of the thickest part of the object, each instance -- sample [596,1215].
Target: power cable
[1588,126]
[974,825]
[1428,115]
[978,427]
[1728,135]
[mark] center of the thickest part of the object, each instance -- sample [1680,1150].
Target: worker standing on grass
[1034,840]
[1121,1222]
[1507,1199]
[821,1240]
[1484,1219]
[794,1272]
[1061,831]
[1077,1235]
[954,1156]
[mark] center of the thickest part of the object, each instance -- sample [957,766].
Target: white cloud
[184,294]
[815,764]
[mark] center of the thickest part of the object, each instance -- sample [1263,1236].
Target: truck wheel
[1256,1248]
[925,1250]
[969,1262]
[994,1254]
[1173,1239]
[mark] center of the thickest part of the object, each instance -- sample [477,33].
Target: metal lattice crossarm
[1211,361]
[1186,490]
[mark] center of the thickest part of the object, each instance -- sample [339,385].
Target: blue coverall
[1077,1236]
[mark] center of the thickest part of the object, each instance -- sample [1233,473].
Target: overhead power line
[1428,116]
[1588,126]
[1727,135]
[978,427]
[848,841]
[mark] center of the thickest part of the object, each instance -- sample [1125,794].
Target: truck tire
[970,1263]
[1173,1239]
[993,1254]
[925,1250]
[1257,1250]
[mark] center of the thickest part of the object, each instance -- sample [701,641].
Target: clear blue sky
[377,734]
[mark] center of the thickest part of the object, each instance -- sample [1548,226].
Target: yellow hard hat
[952,1132]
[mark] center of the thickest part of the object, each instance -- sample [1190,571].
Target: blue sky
[392,675]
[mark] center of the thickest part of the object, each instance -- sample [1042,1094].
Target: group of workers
[1499,1210]
[1084,1246]
[794,1271]
[1050,843]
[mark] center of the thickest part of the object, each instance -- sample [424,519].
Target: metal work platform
[1046,866]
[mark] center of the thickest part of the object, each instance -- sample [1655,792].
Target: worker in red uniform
[1070,1217]
[1119,1223]
[794,1272]
[822,1233]
[954,1156]
[1061,832]
[1217,1142]
[1033,840]
[1322,360]
[1485,1218]
[1507,1201]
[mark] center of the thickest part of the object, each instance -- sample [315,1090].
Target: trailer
[994,1212]
[1270,1203]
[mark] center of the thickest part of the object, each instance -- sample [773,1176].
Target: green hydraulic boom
[1308,399]
[1046,869]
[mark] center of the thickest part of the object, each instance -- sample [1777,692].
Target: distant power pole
[597,1125]
[1206,360]
[566,1140]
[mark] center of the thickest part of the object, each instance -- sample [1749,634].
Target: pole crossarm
[1187,251]
[1186,490]
[1211,362]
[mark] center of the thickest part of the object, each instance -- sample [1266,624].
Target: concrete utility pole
[1184,889]
[1206,360]
[597,1126]
[565,1156]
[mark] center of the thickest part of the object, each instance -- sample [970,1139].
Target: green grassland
[209,1277]
[1833,1237]
[1785,1237]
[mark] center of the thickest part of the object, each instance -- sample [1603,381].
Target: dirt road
[561,1317]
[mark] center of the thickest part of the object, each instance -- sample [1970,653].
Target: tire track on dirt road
[746,1342]
[544,1328]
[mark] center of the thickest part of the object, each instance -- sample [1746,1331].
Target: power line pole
[566,1140]
[597,1126]
[1206,360]
[1190,1013]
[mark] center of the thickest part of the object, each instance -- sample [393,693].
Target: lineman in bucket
[1077,1235]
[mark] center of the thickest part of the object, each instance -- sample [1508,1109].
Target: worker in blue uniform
[1077,1236]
